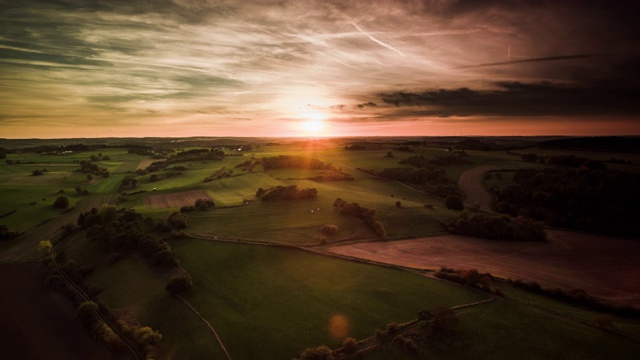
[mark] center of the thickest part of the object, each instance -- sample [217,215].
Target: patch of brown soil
[173,200]
[605,267]
[144,163]
[471,184]
[40,324]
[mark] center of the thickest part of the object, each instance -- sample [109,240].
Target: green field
[271,302]
[282,301]
[504,330]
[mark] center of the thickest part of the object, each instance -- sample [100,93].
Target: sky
[172,68]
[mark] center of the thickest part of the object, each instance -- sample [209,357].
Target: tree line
[291,192]
[185,156]
[498,227]
[431,180]
[368,216]
[124,231]
[293,162]
[586,199]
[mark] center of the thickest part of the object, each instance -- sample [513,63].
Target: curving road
[471,184]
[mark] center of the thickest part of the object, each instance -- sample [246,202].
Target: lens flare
[338,327]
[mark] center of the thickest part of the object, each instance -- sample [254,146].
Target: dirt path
[603,266]
[206,322]
[471,184]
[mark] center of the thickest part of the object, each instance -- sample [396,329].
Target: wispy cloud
[211,64]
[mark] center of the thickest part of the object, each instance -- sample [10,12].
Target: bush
[7,234]
[349,345]
[320,353]
[62,202]
[178,220]
[330,230]
[453,202]
[444,321]
[203,204]
[179,285]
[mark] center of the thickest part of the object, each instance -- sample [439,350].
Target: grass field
[133,290]
[282,301]
[503,330]
[271,302]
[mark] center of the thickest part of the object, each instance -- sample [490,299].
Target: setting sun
[313,124]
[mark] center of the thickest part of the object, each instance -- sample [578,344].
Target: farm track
[137,354]
[470,182]
[208,324]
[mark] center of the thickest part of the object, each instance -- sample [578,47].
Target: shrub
[330,230]
[179,285]
[7,234]
[177,220]
[320,353]
[349,345]
[203,204]
[444,321]
[62,202]
[392,329]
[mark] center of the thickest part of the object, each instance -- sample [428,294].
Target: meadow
[264,273]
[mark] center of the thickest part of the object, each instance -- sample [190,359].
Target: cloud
[147,62]
[518,99]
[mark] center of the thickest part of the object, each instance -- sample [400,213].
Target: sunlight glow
[313,124]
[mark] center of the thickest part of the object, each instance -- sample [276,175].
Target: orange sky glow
[318,68]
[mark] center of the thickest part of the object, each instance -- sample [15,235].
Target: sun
[313,123]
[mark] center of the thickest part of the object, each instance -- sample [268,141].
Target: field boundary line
[207,323]
[371,343]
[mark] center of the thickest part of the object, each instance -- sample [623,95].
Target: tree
[444,320]
[349,345]
[398,204]
[179,285]
[7,234]
[147,338]
[389,154]
[44,248]
[204,204]
[320,353]
[329,229]
[62,202]
[177,220]
[453,202]
[87,312]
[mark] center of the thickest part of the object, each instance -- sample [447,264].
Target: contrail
[376,40]
[336,60]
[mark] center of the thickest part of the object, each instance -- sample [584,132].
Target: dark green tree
[179,285]
[62,202]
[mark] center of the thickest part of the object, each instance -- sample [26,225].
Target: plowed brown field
[603,266]
[175,199]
